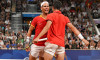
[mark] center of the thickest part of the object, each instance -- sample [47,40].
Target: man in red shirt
[55,26]
[38,23]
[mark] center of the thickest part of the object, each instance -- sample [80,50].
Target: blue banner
[13,54]
[71,54]
[30,15]
[83,54]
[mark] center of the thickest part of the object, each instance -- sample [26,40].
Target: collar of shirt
[57,12]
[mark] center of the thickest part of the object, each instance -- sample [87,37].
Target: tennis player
[55,26]
[38,23]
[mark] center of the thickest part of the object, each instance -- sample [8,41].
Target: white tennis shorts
[37,50]
[53,49]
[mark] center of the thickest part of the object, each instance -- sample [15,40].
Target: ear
[52,8]
[41,8]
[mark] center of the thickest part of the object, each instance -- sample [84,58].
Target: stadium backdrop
[71,55]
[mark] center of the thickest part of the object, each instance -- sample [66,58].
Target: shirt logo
[40,24]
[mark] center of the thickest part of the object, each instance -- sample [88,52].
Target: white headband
[44,3]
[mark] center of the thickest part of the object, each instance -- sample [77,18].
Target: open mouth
[46,10]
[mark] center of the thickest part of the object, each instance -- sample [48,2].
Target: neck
[56,10]
[44,15]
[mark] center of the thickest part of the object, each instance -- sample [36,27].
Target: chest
[41,22]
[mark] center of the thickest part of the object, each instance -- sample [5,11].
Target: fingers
[86,42]
[27,49]
[34,42]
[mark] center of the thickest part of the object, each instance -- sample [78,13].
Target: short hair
[57,5]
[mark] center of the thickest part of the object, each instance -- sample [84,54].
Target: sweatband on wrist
[28,39]
[80,36]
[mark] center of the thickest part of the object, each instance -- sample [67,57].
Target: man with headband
[38,24]
[55,26]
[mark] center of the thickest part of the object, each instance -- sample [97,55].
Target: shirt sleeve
[34,22]
[67,20]
[49,17]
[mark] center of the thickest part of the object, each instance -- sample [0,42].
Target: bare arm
[28,37]
[45,29]
[30,31]
[76,32]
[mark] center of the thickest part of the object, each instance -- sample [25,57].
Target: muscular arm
[30,31]
[28,38]
[45,29]
[76,32]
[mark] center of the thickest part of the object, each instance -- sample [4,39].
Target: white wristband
[28,39]
[80,36]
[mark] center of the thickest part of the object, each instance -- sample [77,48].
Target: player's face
[45,8]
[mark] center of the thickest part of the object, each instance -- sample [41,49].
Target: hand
[86,42]
[27,47]
[35,40]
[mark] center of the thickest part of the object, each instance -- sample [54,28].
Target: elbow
[72,28]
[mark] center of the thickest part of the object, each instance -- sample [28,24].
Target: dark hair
[57,5]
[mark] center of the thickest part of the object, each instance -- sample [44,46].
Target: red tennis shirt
[39,22]
[56,31]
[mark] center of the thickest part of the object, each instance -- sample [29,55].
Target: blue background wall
[71,54]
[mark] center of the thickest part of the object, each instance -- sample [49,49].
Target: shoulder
[66,17]
[36,18]
[51,14]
